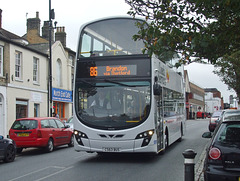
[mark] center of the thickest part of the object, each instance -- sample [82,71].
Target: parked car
[214,120]
[69,122]
[41,132]
[7,149]
[222,160]
[228,112]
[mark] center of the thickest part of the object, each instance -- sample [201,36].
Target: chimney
[33,24]
[60,35]
[0,19]
[45,30]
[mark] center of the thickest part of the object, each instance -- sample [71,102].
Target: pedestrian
[55,115]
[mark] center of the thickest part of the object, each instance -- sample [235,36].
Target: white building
[212,104]
[24,75]
[24,91]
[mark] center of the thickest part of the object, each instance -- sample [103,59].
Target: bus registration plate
[111,149]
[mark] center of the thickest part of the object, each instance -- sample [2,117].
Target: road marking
[40,170]
[29,173]
[54,173]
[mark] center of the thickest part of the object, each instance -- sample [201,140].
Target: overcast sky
[203,76]
[72,14]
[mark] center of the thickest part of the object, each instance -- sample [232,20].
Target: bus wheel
[166,144]
[166,140]
[180,139]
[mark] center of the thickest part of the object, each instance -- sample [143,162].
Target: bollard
[189,156]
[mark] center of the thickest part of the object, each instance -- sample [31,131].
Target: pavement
[199,166]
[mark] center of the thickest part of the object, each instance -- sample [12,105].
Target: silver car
[229,112]
[69,122]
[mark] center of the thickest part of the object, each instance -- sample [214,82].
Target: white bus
[124,101]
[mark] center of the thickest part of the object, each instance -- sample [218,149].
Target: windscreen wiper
[118,83]
[92,85]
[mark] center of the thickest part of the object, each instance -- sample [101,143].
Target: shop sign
[61,95]
[36,97]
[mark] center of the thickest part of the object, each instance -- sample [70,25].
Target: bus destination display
[116,70]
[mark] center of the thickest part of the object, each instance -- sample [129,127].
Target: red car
[44,132]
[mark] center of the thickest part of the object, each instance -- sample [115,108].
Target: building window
[59,73]
[1,61]
[71,58]
[36,110]
[18,65]
[21,109]
[35,70]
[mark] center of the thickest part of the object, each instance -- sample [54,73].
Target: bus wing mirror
[157,89]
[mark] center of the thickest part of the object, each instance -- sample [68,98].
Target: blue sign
[61,95]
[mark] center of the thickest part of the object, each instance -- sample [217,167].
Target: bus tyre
[166,141]
[166,144]
[180,139]
[50,146]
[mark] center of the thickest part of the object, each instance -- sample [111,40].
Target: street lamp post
[51,16]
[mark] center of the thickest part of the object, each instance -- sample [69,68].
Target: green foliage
[192,28]
[195,30]
[228,68]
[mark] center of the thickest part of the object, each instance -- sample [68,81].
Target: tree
[195,30]
[228,69]
[192,28]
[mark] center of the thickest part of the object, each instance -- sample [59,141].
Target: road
[66,164]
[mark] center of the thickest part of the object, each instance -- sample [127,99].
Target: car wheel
[10,154]
[19,150]
[71,143]
[50,145]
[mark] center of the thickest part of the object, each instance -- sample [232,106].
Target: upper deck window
[110,37]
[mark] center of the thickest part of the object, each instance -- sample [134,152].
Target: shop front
[62,103]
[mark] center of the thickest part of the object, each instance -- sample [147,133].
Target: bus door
[160,123]
[159,117]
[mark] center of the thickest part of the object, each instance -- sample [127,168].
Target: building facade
[212,103]
[23,88]
[196,100]
[187,93]
[62,63]
[24,75]
[213,100]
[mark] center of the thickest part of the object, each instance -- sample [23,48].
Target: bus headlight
[79,135]
[146,136]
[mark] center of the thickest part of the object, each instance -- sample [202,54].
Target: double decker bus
[124,100]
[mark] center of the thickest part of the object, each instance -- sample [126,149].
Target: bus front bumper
[126,146]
